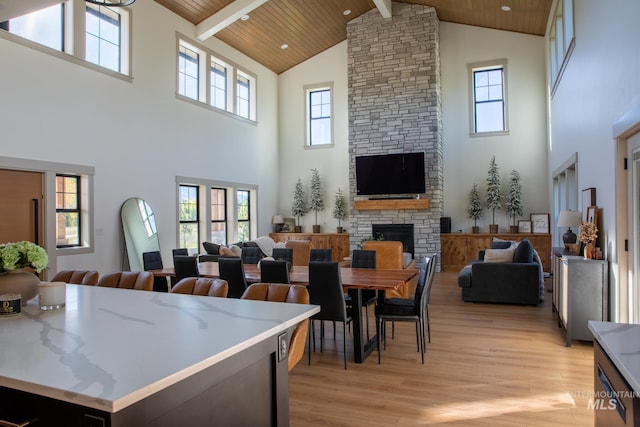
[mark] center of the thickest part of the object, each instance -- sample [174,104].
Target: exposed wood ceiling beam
[225,17]
[384,6]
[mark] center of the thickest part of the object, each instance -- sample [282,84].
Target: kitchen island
[119,357]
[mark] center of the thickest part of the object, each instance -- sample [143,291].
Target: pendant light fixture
[113,3]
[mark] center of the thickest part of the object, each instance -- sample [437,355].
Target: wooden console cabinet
[338,243]
[458,249]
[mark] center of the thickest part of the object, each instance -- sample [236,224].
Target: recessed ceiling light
[244,17]
[284,46]
[347,12]
[506,8]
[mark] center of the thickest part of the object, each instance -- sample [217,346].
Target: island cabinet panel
[338,243]
[458,249]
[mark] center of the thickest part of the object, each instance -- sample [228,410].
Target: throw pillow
[226,251]
[500,245]
[236,250]
[524,252]
[499,255]
[211,248]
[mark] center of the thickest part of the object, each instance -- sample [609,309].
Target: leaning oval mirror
[140,232]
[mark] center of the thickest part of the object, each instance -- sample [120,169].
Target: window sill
[314,147]
[216,109]
[483,134]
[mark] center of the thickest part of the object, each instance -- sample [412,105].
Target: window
[219,216]
[218,85]
[103,37]
[188,72]
[489,98]
[43,26]
[561,41]
[244,233]
[188,206]
[222,85]
[318,108]
[68,211]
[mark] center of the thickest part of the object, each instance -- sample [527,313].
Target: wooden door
[21,195]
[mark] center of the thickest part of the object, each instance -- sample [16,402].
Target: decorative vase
[475,229]
[339,230]
[589,251]
[493,228]
[513,229]
[20,282]
[297,229]
[316,228]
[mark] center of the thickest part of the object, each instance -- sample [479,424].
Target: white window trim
[558,61]
[204,80]
[307,89]
[479,66]
[74,48]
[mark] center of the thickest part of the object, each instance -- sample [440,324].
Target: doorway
[21,209]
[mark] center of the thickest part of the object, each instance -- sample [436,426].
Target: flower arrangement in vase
[588,235]
[18,261]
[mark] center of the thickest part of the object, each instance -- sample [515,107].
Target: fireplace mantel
[391,204]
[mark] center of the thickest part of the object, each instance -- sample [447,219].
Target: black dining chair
[283,253]
[325,290]
[232,270]
[251,255]
[276,271]
[364,259]
[180,251]
[320,255]
[153,261]
[408,310]
[185,266]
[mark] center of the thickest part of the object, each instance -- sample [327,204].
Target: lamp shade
[569,219]
[277,219]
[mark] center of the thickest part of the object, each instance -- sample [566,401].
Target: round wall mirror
[140,231]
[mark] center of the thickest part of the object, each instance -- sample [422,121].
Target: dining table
[354,280]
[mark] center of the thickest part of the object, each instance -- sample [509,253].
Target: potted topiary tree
[474,209]
[494,195]
[339,209]
[514,199]
[299,207]
[316,201]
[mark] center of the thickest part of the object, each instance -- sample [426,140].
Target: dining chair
[364,259]
[301,250]
[279,292]
[204,286]
[320,255]
[153,261]
[77,277]
[276,271]
[138,280]
[180,251]
[410,310]
[283,253]
[232,270]
[325,290]
[251,255]
[185,266]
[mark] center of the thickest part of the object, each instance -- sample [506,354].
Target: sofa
[215,251]
[507,273]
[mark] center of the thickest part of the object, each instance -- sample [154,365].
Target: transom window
[318,115]
[103,37]
[489,99]
[219,216]
[68,227]
[244,216]
[223,85]
[188,204]
[44,26]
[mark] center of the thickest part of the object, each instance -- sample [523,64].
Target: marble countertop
[109,348]
[621,342]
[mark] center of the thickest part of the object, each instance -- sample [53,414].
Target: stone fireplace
[395,107]
[400,232]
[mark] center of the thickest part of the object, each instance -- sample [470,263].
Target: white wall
[295,159]
[466,159]
[137,135]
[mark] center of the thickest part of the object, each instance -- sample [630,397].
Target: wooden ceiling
[309,27]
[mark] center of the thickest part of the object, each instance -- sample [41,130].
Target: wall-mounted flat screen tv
[390,174]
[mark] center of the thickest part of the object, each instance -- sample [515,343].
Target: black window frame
[77,210]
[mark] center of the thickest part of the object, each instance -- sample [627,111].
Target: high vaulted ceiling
[309,27]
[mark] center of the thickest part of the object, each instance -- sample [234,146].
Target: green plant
[299,207]
[23,254]
[514,196]
[494,195]
[474,209]
[339,208]
[316,201]
[364,239]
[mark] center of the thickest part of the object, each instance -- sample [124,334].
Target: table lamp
[569,219]
[277,220]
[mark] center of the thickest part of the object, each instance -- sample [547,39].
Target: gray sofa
[517,282]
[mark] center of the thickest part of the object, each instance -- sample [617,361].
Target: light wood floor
[487,364]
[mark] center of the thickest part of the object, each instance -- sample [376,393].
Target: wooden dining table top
[363,278]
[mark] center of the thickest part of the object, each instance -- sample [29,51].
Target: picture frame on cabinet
[539,223]
[592,215]
[289,225]
[588,199]
[524,226]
